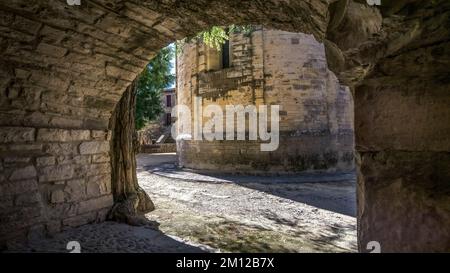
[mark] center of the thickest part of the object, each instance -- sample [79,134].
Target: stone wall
[65,67]
[52,179]
[403,130]
[154,129]
[270,67]
[159,148]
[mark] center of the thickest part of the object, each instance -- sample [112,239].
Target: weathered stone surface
[57,196]
[60,148]
[73,159]
[53,227]
[358,24]
[56,173]
[51,50]
[404,115]
[400,193]
[63,210]
[18,187]
[45,161]
[27,199]
[61,135]
[80,220]
[97,169]
[316,111]
[94,147]
[43,86]
[16,134]
[75,190]
[23,173]
[11,160]
[100,135]
[6,203]
[100,158]
[98,185]
[26,148]
[105,201]
[402,128]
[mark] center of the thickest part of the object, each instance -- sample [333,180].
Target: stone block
[50,81]
[57,196]
[117,72]
[16,134]
[102,214]
[58,211]
[30,149]
[45,161]
[56,173]
[96,169]
[25,25]
[62,135]
[60,148]
[18,187]
[16,160]
[93,188]
[23,173]
[27,198]
[100,158]
[94,147]
[95,204]
[66,122]
[6,203]
[101,182]
[53,226]
[79,220]
[36,232]
[51,50]
[74,190]
[73,159]
[99,135]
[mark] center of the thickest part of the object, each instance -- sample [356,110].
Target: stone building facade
[268,67]
[159,130]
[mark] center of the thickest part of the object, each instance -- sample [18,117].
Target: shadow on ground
[339,197]
[329,191]
[232,236]
[111,237]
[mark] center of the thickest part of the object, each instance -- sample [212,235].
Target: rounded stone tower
[266,68]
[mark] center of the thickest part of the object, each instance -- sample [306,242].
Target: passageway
[237,213]
[64,69]
[217,213]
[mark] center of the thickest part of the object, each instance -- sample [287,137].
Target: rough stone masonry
[269,67]
[63,69]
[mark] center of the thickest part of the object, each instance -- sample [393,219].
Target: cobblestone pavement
[217,213]
[112,237]
[234,213]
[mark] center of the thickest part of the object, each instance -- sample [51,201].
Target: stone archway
[64,68]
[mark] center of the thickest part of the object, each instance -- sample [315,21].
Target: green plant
[152,81]
[216,36]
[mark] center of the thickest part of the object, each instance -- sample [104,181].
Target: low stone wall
[294,154]
[159,148]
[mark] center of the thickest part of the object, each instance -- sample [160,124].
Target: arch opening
[226,190]
[64,68]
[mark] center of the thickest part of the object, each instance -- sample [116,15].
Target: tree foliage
[216,36]
[157,74]
[152,81]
